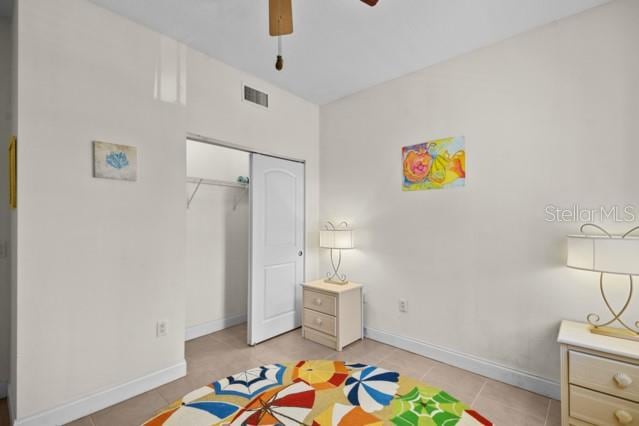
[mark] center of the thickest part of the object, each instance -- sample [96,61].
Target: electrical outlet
[403,305]
[161,328]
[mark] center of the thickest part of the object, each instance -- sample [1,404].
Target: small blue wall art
[111,161]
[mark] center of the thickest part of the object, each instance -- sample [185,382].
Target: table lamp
[336,238]
[607,254]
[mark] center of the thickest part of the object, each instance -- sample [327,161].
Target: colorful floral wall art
[112,161]
[437,164]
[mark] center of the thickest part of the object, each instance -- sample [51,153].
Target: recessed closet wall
[217,224]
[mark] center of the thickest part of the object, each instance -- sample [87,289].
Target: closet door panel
[277,246]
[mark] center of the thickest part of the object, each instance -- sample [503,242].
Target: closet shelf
[216,182]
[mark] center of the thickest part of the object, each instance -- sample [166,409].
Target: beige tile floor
[221,354]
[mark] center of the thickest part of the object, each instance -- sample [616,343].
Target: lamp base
[615,332]
[338,282]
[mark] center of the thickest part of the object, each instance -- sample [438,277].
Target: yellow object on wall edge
[13,173]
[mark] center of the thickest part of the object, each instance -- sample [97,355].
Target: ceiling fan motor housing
[280,17]
[281,22]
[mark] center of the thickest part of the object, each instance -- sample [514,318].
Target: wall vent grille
[255,96]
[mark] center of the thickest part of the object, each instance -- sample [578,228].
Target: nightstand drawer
[319,321]
[321,338]
[602,410]
[320,302]
[605,375]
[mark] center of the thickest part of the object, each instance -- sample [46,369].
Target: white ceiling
[343,46]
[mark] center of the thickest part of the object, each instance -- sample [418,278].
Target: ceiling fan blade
[280,17]
[370,2]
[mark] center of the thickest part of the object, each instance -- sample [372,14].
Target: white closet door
[277,247]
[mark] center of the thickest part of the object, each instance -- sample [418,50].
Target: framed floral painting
[111,161]
[437,164]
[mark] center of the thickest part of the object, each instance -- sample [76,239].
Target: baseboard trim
[90,404]
[471,363]
[4,387]
[212,326]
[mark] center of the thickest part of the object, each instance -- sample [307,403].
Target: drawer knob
[622,380]
[318,321]
[623,417]
[318,302]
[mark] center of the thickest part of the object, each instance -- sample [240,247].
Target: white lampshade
[336,239]
[614,255]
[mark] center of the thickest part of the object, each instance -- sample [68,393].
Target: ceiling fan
[281,23]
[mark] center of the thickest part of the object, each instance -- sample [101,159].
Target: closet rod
[216,182]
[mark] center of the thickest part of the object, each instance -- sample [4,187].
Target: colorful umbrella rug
[318,393]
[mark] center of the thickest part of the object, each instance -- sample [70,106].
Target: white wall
[217,225]
[13,257]
[100,261]
[289,127]
[550,117]
[5,132]
[207,161]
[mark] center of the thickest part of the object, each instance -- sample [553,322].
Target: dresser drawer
[605,375]
[320,302]
[602,410]
[321,338]
[319,321]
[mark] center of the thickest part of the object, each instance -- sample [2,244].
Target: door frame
[199,138]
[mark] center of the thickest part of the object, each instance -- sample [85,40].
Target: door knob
[299,253]
[623,417]
[622,380]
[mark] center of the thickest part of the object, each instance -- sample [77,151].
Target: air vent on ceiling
[255,96]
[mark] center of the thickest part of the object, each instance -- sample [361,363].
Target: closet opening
[245,240]
[217,237]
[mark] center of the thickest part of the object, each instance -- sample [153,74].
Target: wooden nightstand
[599,378]
[332,313]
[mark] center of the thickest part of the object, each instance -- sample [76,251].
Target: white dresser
[332,314]
[599,378]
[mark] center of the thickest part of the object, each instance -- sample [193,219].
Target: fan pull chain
[279,62]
